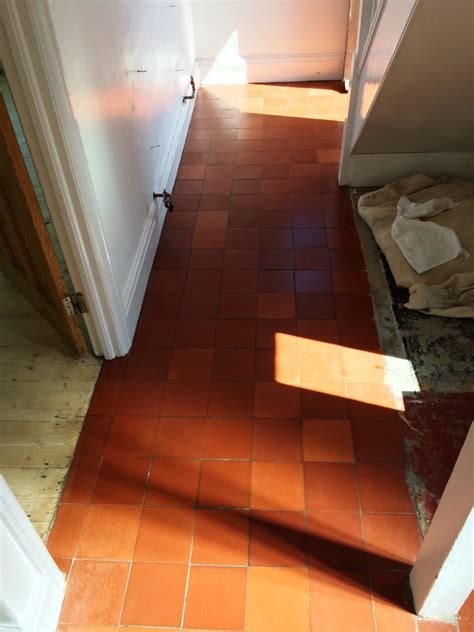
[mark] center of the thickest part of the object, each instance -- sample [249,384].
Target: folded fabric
[425,245]
[453,298]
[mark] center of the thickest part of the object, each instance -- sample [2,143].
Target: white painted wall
[412,99]
[270,40]
[121,114]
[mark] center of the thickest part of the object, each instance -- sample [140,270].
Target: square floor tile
[167,281]
[206,258]
[228,439]
[276,259]
[131,435]
[275,281]
[327,440]
[204,281]
[173,483]
[277,599]
[94,593]
[140,398]
[104,399]
[276,305]
[331,486]
[334,540]
[313,281]
[236,333]
[233,364]
[392,607]
[392,540]
[221,537]
[268,330]
[276,400]
[165,535]
[315,306]
[180,438]
[231,399]
[148,364]
[312,259]
[236,280]
[320,330]
[191,364]
[155,594]
[383,488]
[224,484]
[277,486]
[323,405]
[277,440]
[81,479]
[66,530]
[93,435]
[277,538]
[199,305]
[238,305]
[378,441]
[216,598]
[121,481]
[109,532]
[340,601]
[185,399]
[195,333]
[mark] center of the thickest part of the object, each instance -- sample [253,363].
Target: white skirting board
[367,170]
[271,68]
[135,286]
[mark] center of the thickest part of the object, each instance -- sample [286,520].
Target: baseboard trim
[261,68]
[135,286]
[366,170]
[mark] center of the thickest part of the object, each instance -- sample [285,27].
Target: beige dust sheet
[448,289]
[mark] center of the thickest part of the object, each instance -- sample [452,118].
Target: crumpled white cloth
[425,245]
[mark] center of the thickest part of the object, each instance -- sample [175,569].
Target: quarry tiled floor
[243,467]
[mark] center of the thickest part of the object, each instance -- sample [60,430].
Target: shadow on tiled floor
[243,468]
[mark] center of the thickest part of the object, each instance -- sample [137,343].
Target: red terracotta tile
[392,540]
[167,280]
[193,172]
[383,488]
[275,281]
[277,538]
[241,258]
[242,238]
[331,486]
[148,363]
[216,598]
[94,593]
[277,599]
[277,486]
[228,439]
[233,364]
[131,436]
[435,626]
[208,238]
[206,258]
[372,402]
[66,530]
[154,333]
[315,306]
[217,187]
[104,399]
[378,441]
[176,238]
[328,440]
[276,259]
[276,305]
[114,369]
[311,281]
[269,328]
[199,305]
[121,481]
[392,607]
[343,238]
[350,282]
[221,537]
[340,602]
[236,333]
[311,259]
[204,281]
[239,281]
[276,400]
[359,334]
[238,305]
[309,238]
[277,440]
[187,187]
[346,259]
[173,483]
[93,435]
[165,535]
[334,540]
[80,479]
[319,330]
[185,203]
[224,484]
[180,438]
[245,187]
[276,238]
[155,594]
[185,398]
[140,397]
[354,307]
[195,333]
[191,364]
[109,532]
[231,399]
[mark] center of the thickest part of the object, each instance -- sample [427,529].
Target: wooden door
[27,255]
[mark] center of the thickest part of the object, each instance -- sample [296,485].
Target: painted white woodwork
[31,585]
[270,40]
[443,574]
[93,123]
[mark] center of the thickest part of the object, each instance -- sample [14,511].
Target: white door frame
[31,585]
[30,56]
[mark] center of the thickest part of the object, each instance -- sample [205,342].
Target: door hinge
[75,303]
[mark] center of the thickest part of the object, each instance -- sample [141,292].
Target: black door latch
[167,199]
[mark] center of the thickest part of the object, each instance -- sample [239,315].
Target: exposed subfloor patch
[440,352]
[45,393]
